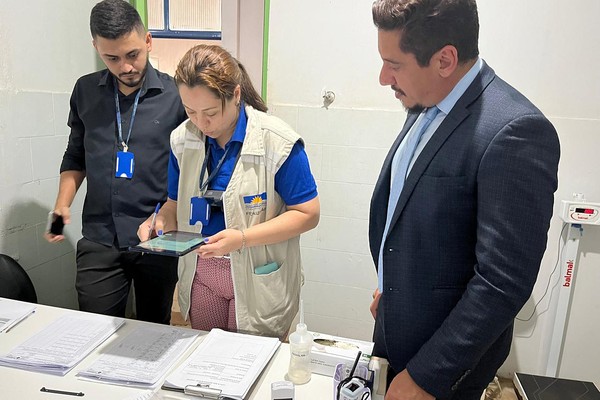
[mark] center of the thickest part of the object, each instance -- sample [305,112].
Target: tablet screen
[174,243]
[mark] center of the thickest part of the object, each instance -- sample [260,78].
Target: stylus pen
[78,394]
[153,223]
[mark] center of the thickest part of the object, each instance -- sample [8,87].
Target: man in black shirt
[120,119]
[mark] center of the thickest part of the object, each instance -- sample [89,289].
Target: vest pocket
[266,269]
[269,308]
[269,293]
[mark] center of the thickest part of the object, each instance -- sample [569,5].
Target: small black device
[528,387]
[353,387]
[214,197]
[56,224]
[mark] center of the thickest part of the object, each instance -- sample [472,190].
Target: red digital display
[585,210]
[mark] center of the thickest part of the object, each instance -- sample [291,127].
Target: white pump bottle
[301,342]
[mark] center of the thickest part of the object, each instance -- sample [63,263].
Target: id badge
[199,211]
[125,163]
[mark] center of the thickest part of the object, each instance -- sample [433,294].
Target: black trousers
[105,274]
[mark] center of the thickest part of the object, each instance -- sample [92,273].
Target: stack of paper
[225,361]
[62,344]
[12,312]
[142,357]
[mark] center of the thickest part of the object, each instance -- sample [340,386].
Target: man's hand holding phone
[57,220]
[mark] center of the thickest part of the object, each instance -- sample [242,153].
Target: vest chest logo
[255,204]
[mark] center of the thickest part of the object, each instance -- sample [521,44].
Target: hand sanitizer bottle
[301,342]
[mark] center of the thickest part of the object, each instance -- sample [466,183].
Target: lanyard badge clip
[124,164]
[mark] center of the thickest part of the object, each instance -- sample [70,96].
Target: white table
[20,384]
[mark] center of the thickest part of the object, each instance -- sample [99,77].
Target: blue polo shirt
[293,181]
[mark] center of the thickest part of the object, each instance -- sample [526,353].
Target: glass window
[195,19]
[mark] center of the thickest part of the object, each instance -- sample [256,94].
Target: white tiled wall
[345,157]
[31,157]
[36,78]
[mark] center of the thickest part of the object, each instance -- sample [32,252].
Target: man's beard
[134,83]
[417,108]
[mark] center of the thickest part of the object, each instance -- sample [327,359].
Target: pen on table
[17,323]
[153,223]
[78,394]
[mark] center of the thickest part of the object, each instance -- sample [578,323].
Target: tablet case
[171,244]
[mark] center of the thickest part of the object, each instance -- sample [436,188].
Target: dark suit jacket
[467,237]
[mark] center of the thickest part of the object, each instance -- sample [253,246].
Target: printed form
[62,344]
[142,357]
[229,362]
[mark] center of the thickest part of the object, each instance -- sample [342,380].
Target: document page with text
[62,344]
[229,362]
[142,357]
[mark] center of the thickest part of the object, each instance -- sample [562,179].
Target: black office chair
[14,282]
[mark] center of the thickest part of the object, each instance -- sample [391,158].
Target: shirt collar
[461,87]
[239,133]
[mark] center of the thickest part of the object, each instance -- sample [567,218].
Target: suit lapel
[458,113]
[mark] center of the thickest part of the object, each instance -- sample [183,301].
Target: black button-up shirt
[115,207]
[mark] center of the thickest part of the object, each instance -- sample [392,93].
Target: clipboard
[171,244]
[201,391]
[215,370]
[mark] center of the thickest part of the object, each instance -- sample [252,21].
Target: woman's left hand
[221,244]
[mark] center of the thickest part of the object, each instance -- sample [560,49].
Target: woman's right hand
[145,230]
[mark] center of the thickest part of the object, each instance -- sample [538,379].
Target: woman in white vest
[248,178]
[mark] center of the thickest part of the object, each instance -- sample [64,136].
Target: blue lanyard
[125,144]
[213,174]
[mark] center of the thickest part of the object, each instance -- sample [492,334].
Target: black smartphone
[55,224]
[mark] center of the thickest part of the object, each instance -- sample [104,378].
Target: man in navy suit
[468,208]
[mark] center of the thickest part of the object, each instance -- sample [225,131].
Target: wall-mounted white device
[577,212]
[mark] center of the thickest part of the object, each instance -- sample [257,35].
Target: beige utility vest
[264,304]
